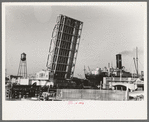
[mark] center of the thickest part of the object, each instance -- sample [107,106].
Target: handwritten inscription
[72,102]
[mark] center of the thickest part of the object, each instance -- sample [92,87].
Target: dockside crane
[136,62]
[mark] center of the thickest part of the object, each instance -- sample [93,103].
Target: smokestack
[118,61]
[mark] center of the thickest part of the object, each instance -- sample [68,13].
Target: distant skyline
[107,30]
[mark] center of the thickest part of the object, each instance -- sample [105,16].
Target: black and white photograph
[70,61]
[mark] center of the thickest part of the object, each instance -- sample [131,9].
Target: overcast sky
[107,30]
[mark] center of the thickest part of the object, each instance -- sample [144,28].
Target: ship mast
[84,69]
[89,69]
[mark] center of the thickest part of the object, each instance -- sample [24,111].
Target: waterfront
[84,95]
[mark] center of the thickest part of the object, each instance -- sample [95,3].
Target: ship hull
[96,79]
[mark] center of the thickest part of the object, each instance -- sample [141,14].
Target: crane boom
[135,64]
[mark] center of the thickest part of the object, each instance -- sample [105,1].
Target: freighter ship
[96,76]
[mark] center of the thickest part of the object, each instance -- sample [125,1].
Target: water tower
[22,71]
